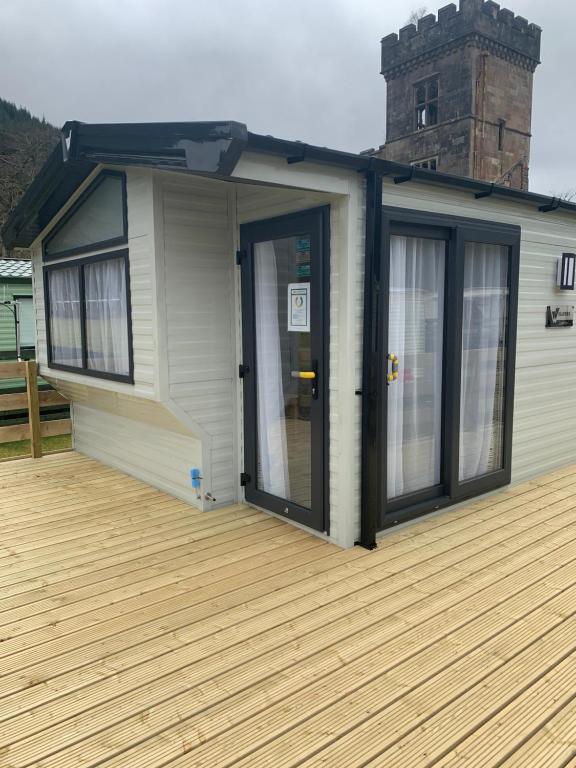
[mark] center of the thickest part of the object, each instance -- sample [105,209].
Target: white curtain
[415,334]
[106,316]
[483,359]
[65,333]
[271,419]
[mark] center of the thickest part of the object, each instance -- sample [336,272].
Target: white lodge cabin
[340,340]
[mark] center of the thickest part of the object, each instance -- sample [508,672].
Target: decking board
[137,631]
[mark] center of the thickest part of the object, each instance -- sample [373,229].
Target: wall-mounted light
[566,271]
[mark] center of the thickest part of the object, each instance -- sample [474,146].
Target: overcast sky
[304,69]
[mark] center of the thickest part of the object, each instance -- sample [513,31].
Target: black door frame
[377,513]
[315,222]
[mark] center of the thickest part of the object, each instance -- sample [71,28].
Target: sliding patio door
[447,348]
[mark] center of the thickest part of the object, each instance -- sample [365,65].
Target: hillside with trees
[25,143]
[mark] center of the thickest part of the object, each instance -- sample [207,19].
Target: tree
[25,143]
[416,15]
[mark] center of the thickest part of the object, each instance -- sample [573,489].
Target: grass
[22,447]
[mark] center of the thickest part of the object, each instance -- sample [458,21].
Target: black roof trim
[212,148]
[308,152]
[363,163]
[209,148]
[53,185]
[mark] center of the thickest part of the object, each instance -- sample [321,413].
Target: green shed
[16,289]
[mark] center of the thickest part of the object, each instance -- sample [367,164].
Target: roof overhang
[211,148]
[207,148]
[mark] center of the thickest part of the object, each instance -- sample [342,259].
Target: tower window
[430,162]
[501,129]
[426,100]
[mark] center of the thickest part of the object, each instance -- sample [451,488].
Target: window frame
[420,163]
[425,82]
[111,242]
[80,264]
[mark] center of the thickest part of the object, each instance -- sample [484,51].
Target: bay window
[88,299]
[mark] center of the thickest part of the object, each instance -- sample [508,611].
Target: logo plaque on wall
[560,317]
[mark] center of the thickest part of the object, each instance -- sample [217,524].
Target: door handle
[303,374]
[392,374]
[309,376]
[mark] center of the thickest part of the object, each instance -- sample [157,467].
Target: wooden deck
[139,633]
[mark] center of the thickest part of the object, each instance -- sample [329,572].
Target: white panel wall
[346,307]
[545,402]
[198,264]
[123,425]
[155,455]
[254,203]
[142,279]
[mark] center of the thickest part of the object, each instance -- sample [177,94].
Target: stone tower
[460,92]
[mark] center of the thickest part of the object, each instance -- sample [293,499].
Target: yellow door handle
[393,375]
[303,374]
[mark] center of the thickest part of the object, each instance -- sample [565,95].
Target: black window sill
[125,379]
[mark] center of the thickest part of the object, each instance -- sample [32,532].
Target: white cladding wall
[155,455]
[346,314]
[545,399]
[198,262]
[123,425]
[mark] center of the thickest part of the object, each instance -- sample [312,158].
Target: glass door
[283,265]
[416,339]
[444,364]
[483,369]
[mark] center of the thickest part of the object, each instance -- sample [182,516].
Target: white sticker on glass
[299,307]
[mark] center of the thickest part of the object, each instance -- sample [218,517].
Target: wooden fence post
[33,409]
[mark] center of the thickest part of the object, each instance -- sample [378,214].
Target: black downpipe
[371,407]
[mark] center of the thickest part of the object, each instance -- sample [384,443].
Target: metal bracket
[240,256]
[243,370]
[486,193]
[407,177]
[553,206]
[244,479]
[293,159]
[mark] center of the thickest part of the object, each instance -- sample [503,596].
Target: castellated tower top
[459,92]
[480,23]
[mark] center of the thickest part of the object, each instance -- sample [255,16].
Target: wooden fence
[32,400]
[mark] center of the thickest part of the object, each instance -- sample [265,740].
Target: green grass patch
[22,447]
